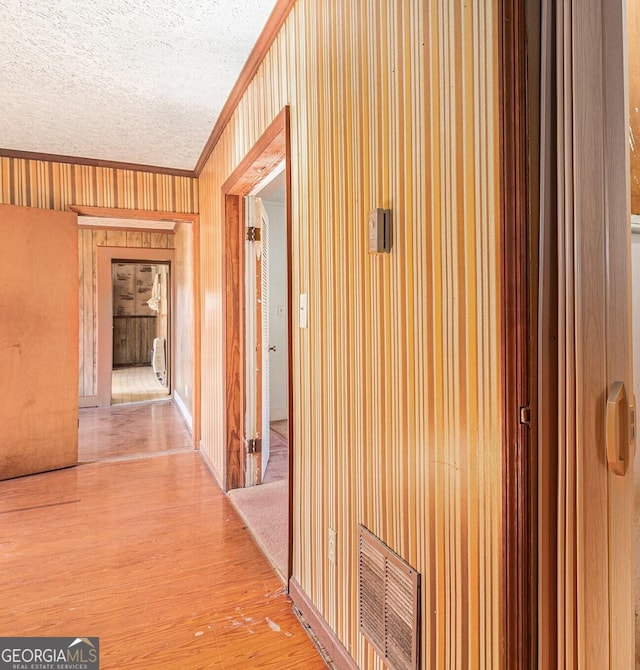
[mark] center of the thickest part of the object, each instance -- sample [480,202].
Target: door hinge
[525,415]
[254,445]
[253,234]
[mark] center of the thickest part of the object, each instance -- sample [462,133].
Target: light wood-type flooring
[149,555]
[131,431]
[136,384]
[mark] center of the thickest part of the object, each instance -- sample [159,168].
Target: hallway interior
[145,553]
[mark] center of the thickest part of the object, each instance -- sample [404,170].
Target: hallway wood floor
[131,431]
[150,556]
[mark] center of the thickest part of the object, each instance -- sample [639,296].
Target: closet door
[595,415]
[38,340]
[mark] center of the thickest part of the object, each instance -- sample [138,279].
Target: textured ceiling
[138,81]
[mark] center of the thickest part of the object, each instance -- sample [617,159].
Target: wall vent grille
[389,603]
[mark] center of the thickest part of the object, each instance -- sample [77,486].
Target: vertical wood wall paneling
[184,315]
[50,185]
[397,380]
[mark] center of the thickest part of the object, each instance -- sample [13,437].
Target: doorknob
[272,348]
[618,432]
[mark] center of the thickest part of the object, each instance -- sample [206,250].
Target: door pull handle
[618,428]
[272,348]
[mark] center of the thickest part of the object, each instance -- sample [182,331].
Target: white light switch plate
[304,320]
[333,539]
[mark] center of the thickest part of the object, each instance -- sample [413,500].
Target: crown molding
[94,162]
[266,39]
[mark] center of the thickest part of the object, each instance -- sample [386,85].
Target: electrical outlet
[332,545]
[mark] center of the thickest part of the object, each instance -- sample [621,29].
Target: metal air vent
[389,603]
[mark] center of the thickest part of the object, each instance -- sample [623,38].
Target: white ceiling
[138,81]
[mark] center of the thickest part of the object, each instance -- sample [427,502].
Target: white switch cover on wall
[303,311]
[333,539]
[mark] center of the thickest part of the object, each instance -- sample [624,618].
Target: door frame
[272,148]
[105,257]
[145,216]
[519,240]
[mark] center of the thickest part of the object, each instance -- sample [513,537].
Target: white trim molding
[183,410]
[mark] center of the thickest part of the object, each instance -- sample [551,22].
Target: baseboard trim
[321,629]
[186,415]
[211,467]
[88,401]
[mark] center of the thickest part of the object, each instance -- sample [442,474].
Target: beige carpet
[281,427]
[264,510]
[278,465]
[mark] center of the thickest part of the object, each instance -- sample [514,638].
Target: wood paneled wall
[397,380]
[183,380]
[88,241]
[51,185]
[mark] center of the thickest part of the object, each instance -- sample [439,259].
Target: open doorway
[244,453]
[140,313]
[263,502]
[273,201]
[166,242]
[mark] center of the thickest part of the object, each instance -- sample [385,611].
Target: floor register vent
[389,603]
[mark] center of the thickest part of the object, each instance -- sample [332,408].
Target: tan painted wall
[397,380]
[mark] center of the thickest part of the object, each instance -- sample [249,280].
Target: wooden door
[38,340]
[594,436]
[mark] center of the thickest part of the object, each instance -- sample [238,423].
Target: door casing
[105,257]
[272,148]
[144,216]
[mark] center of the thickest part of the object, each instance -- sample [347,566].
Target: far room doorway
[141,312]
